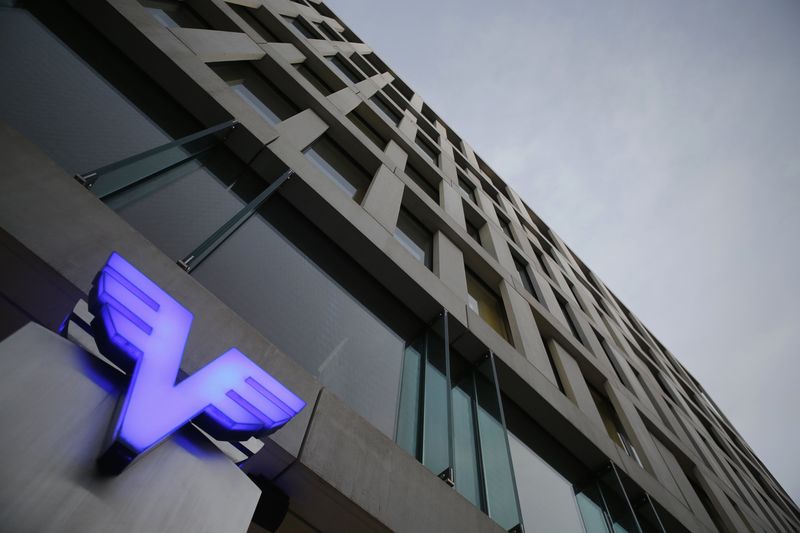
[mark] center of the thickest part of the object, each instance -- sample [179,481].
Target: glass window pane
[546,499]
[435,442]
[387,110]
[592,510]
[415,238]
[335,163]
[423,184]
[498,478]
[408,413]
[465,454]
[489,306]
[181,207]
[343,69]
[257,91]
[309,316]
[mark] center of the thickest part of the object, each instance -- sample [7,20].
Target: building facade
[463,369]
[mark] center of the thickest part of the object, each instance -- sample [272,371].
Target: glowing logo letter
[144,330]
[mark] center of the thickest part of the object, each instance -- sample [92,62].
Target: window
[314,79]
[427,148]
[467,188]
[474,232]
[612,424]
[258,92]
[423,183]
[329,32]
[487,304]
[343,69]
[525,278]
[539,259]
[362,123]
[607,351]
[387,110]
[575,294]
[414,237]
[562,304]
[436,396]
[302,27]
[505,225]
[339,167]
[549,350]
[247,15]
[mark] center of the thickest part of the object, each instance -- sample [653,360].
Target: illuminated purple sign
[144,330]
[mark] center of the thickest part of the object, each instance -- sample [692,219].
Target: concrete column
[383,198]
[470,154]
[527,338]
[396,154]
[548,296]
[452,202]
[486,205]
[640,437]
[346,99]
[416,102]
[408,125]
[687,493]
[494,240]
[302,129]
[730,518]
[448,264]
[575,386]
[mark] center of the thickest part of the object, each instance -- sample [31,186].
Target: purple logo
[143,330]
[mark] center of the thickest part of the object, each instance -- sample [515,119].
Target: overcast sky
[661,141]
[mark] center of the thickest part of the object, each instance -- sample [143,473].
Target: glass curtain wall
[607,507]
[278,272]
[451,420]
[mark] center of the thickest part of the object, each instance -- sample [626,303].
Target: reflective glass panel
[465,452]
[408,412]
[306,313]
[498,478]
[435,442]
[546,499]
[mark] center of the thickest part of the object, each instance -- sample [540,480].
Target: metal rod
[101,181]
[199,254]
[505,435]
[450,432]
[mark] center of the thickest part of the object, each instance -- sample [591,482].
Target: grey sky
[661,140]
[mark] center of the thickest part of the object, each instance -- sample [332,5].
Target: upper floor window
[427,148]
[343,69]
[467,188]
[505,225]
[258,92]
[612,424]
[302,27]
[387,110]
[423,183]
[363,123]
[329,32]
[524,276]
[351,177]
[415,237]
[487,304]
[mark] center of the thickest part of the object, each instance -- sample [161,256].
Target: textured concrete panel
[377,476]
[213,45]
[56,404]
